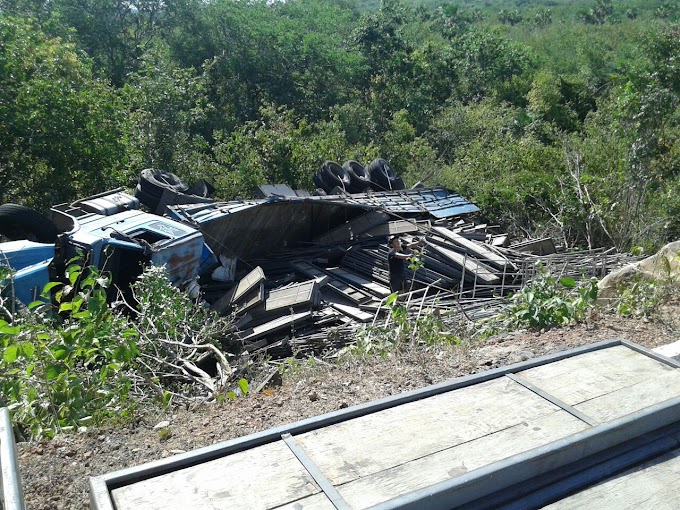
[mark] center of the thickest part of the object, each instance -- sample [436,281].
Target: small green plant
[402,330]
[65,365]
[550,301]
[240,390]
[640,299]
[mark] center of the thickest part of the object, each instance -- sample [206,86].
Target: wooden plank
[275,325]
[294,295]
[633,398]
[372,443]
[479,250]
[353,312]
[249,282]
[316,502]
[459,459]
[338,286]
[368,285]
[393,227]
[472,266]
[652,485]
[587,376]
[259,479]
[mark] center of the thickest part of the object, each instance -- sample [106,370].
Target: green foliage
[58,123]
[403,331]
[67,364]
[640,298]
[550,301]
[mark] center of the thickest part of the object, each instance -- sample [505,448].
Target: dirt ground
[55,473]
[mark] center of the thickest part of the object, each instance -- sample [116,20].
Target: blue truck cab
[113,235]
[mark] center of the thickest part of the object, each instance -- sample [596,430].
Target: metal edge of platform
[10,480]
[464,490]
[558,484]
[101,486]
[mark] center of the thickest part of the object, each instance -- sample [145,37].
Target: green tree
[58,124]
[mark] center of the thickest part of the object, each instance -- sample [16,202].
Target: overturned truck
[296,271]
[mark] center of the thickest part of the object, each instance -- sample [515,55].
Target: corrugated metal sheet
[438,202]
[257,227]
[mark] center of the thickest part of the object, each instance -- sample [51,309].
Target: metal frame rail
[466,491]
[12,494]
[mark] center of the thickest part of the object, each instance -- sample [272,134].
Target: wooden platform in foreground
[444,446]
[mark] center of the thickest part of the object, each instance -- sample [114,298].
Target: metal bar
[13,496]
[553,399]
[101,500]
[462,491]
[654,355]
[557,484]
[326,486]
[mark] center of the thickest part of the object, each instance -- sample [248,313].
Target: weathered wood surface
[365,284]
[478,249]
[630,399]
[580,378]
[459,459]
[650,486]
[257,479]
[375,442]
[316,502]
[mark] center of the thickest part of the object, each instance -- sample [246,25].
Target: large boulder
[664,265]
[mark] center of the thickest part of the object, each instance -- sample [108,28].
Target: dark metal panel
[654,355]
[560,483]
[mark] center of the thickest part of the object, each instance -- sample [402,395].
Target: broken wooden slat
[477,249]
[275,325]
[368,285]
[292,296]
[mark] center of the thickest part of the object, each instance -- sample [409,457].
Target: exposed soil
[55,473]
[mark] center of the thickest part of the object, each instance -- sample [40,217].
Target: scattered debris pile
[309,270]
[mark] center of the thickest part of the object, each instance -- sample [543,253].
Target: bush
[550,301]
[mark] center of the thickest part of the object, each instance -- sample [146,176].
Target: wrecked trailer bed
[482,441]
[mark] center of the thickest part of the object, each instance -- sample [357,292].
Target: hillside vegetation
[556,117]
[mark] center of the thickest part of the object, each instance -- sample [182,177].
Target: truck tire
[154,182]
[146,199]
[359,179]
[19,222]
[319,184]
[334,175]
[382,176]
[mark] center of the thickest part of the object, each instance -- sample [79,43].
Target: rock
[176,452]
[525,355]
[162,425]
[313,396]
[344,405]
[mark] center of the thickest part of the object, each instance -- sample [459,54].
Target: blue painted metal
[29,262]
[167,242]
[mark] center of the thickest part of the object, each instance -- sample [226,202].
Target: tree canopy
[555,118]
